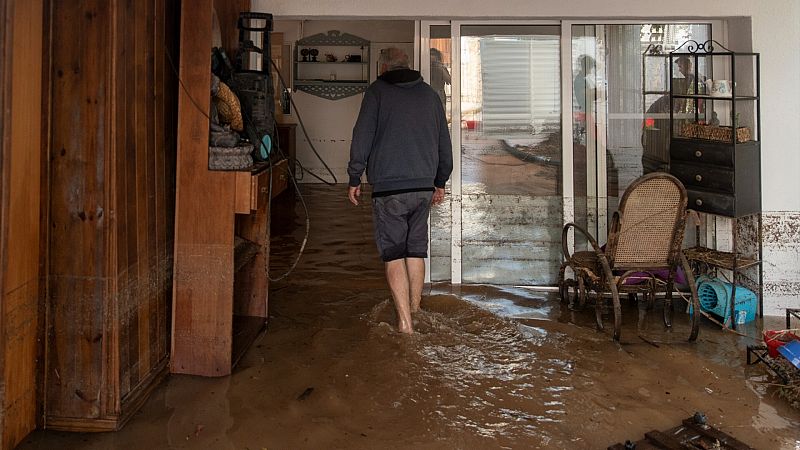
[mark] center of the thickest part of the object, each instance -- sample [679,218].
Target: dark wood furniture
[722,174]
[108,200]
[22,88]
[221,238]
[720,178]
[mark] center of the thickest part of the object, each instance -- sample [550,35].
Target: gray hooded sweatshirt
[401,136]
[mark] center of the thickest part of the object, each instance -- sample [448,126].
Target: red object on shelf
[777,338]
[471,124]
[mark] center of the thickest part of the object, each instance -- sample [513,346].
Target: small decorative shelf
[332,80]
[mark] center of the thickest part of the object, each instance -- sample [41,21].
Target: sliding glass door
[550,123]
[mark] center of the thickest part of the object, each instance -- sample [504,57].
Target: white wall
[330,122]
[775,34]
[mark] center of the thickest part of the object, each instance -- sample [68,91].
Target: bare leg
[397,276]
[416,278]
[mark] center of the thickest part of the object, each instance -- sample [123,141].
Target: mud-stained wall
[111,207]
[781,254]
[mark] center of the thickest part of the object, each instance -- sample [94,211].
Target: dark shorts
[401,225]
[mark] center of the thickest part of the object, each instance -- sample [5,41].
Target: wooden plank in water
[726,440]
[689,435]
[666,441]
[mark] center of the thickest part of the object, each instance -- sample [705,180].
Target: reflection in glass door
[510,142]
[621,110]
[437,67]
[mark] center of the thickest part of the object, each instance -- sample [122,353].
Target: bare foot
[405,327]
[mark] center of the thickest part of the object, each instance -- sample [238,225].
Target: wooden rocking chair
[646,236]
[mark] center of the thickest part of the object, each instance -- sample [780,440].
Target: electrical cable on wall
[305,133]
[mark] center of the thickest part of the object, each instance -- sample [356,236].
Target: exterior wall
[751,26]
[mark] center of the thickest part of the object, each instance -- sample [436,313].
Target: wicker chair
[646,236]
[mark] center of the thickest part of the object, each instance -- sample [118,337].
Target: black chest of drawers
[720,178]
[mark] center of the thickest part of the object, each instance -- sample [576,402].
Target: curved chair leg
[642,308]
[563,289]
[617,311]
[612,284]
[598,310]
[695,300]
[668,309]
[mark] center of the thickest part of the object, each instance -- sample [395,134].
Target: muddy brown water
[489,367]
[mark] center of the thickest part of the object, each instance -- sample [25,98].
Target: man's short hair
[393,58]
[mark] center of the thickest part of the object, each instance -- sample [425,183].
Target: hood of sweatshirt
[402,77]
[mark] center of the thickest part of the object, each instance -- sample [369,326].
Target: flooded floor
[489,367]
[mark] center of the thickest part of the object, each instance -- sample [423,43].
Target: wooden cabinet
[252,187]
[221,236]
[109,213]
[718,178]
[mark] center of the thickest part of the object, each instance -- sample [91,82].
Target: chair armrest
[580,230]
[613,234]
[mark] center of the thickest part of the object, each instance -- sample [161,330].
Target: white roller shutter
[520,82]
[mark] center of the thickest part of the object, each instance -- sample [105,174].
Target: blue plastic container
[791,351]
[715,298]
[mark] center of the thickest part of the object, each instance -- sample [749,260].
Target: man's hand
[354,192]
[438,196]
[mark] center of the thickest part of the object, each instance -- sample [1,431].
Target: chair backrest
[652,217]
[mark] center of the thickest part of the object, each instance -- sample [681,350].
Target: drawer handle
[698,177]
[698,202]
[698,153]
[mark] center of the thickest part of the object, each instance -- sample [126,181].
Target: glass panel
[621,77]
[441,215]
[584,131]
[511,154]
[636,146]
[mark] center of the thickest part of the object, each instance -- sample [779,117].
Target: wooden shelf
[331,82]
[334,62]
[716,258]
[711,97]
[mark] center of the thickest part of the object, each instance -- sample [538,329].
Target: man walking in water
[402,139]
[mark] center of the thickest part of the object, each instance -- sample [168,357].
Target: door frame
[423,52]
